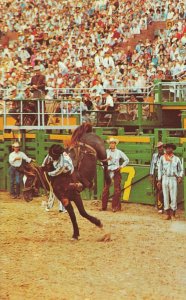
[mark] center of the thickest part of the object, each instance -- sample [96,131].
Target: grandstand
[75,44]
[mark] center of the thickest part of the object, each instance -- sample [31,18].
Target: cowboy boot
[168,215]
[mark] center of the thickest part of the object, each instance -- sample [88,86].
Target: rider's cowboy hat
[112,140]
[55,150]
[15,145]
[170,145]
[159,144]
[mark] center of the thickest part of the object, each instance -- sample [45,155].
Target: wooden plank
[182,140]
[177,107]
[133,139]
[59,137]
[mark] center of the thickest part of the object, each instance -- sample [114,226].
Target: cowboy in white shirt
[108,61]
[15,160]
[114,156]
[62,164]
[109,103]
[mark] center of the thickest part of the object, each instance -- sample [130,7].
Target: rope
[51,197]
[131,184]
[93,151]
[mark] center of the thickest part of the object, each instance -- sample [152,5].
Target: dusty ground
[145,259]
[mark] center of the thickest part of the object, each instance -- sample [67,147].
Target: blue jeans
[15,181]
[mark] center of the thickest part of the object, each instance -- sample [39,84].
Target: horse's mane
[80,131]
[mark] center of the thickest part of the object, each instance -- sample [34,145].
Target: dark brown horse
[85,148]
[36,176]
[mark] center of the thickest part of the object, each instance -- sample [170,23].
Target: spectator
[85,38]
[38,84]
[132,108]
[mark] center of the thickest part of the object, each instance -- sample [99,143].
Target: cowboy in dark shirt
[38,83]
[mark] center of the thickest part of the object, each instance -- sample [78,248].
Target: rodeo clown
[61,163]
[114,156]
[154,175]
[170,173]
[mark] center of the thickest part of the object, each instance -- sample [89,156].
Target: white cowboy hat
[159,144]
[13,88]
[15,145]
[78,97]
[36,68]
[112,140]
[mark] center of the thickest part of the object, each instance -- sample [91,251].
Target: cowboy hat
[36,68]
[15,145]
[159,144]
[55,150]
[97,95]
[170,145]
[112,140]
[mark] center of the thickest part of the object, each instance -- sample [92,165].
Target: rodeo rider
[61,163]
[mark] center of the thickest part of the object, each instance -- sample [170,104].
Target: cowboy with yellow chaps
[170,173]
[114,156]
[154,176]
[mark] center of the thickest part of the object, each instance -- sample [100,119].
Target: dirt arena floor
[145,258]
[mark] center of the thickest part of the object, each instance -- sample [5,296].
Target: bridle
[84,148]
[39,175]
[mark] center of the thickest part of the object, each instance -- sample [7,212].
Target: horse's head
[31,180]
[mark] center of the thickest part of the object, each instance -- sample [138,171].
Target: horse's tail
[80,131]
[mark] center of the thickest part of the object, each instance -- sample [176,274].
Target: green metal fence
[135,182]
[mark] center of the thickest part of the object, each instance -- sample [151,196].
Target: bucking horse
[85,148]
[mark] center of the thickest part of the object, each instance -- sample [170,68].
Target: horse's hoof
[75,239]
[28,200]
[100,225]
[105,238]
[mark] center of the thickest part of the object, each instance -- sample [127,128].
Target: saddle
[80,150]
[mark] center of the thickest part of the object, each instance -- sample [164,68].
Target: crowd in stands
[81,44]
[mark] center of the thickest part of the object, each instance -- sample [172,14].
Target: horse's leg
[79,203]
[68,206]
